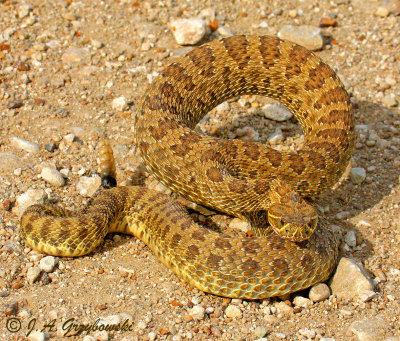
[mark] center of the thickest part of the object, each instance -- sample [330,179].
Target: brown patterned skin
[248,180]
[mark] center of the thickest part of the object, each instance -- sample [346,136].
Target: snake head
[295,221]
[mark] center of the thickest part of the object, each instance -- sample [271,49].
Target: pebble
[32,274]
[69,138]
[88,185]
[382,12]
[233,311]
[260,331]
[89,338]
[389,100]
[225,31]
[305,35]
[300,301]
[110,320]
[120,103]
[223,108]
[367,295]
[319,292]
[276,112]
[351,239]
[74,55]
[188,31]
[53,176]
[25,145]
[37,335]
[30,197]
[101,335]
[283,308]
[197,312]
[357,175]
[350,280]
[240,224]
[23,11]
[309,334]
[15,104]
[276,137]
[152,336]
[368,329]
[48,263]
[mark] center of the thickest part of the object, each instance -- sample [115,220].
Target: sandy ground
[44,98]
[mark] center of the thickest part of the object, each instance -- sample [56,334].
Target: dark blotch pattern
[236,47]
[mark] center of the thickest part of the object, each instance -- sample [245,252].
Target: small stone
[305,35]
[276,112]
[30,197]
[248,134]
[101,335]
[350,239]
[96,44]
[233,311]
[319,292]
[223,108]
[32,274]
[309,334]
[367,295]
[225,31]
[87,186]
[240,224]
[25,145]
[24,313]
[389,100]
[23,11]
[110,320]
[368,329]
[38,335]
[50,147]
[48,263]
[141,325]
[350,279]
[188,31]
[52,176]
[382,12]
[74,55]
[197,312]
[152,336]
[283,308]
[119,103]
[260,331]
[53,314]
[15,104]
[300,301]
[88,338]
[69,138]
[357,175]
[276,137]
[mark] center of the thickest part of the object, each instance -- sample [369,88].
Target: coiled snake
[292,249]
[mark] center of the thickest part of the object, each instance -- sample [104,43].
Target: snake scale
[292,249]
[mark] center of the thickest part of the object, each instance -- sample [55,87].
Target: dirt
[44,97]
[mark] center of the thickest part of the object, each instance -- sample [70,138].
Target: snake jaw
[293,223]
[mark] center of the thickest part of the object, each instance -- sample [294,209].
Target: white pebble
[48,263]
[119,103]
[382,11]
[87,186]
[300,301]
[319,292]
[23,144]
[101,335]
[152,336]
[188,31]
[30,197]
[223,108]
[197,312]
[310,334]
[53,176]
[23,11]
[233,311]
[276,137]
[276,112]
[38,335]
[305,35]
[69,138]
[32,274]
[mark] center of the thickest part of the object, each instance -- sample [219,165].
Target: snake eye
[282,222]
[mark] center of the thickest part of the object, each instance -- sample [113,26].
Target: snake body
[247,180]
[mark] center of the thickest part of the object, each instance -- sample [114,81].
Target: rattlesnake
[292,249]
